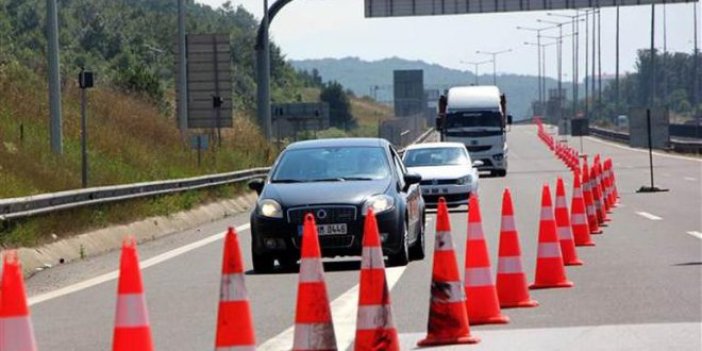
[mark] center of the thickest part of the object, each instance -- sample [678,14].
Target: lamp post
[476,66]
[541,79]
[541,48]
[575,21]
[494,61]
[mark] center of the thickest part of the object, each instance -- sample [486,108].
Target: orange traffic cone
[511,280]
[314,329]
[603,190]
[565,232]
[235,328]
[550,272]
[610,178]
[132,331]
[597,195]
[578,217]
[375,329]
[482,302]
[448,320]
[590,210]
[16,332]
[614,181]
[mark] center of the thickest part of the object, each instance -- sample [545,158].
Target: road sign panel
[396,8]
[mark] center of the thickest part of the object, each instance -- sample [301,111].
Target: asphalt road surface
[640,287]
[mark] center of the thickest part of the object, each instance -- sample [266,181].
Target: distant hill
[361,76]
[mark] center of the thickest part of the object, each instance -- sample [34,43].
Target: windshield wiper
[357,178]
[288,181]
[336,179]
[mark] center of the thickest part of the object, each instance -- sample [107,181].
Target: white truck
[477,116]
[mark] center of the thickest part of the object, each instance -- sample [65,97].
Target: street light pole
[616,67]
[494,61]
[476,65]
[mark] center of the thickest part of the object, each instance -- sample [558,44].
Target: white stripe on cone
[443,242]
[451,292]
[372,258]
[549,250]
[479,277]
[509,265]
[233,288]
[311,270]
[560,202]
[307,336]
[371,317]
[475,231]
[578,219]
[236,348]
[131,311]
[507,224]
[17,334]
[546,213]
[565,233]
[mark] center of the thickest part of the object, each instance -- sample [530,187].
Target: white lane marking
[343,313]
[643,151]
[690,179]
[696,234]
[649,216]
[143,264]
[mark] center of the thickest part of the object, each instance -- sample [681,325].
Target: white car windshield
[332,164]
[445,156]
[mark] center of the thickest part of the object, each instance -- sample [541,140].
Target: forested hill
[129,44]
[359,76]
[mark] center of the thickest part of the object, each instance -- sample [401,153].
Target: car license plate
[329,229]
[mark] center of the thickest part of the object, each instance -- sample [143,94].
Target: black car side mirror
[509,119]
[256,185]
[412,178]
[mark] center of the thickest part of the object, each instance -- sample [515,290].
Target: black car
[337,180]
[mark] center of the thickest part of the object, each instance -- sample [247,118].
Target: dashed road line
[649,216]
[343,310]
[88,283]
[690,179]
[696,234]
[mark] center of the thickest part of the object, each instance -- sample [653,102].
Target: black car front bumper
[280,237]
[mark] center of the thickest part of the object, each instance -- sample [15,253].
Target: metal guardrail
[20,207]
[680,145]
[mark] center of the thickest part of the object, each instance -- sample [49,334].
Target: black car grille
[330,214]
[438,182]
[478,148]
[448,197]
[331,241]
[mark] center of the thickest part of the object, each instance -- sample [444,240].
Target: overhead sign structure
[209,79]
[408,92]
[397,8]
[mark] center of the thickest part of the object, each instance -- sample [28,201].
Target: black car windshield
[473,119]
[444,156]
[332,164]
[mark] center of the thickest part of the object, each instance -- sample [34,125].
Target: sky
[308,29]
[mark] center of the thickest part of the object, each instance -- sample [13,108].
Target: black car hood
[302,194]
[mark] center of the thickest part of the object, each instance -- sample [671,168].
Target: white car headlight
[379,204]
[270,208]
[464,180]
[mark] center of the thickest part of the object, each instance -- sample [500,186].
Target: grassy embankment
[129,141]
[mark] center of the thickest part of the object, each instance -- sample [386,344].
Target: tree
[339,106]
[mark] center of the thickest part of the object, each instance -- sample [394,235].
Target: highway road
[640,287]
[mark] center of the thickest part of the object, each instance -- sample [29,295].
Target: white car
[446,169]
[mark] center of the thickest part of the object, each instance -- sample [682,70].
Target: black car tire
[401,258]
[262,263]
[417,251]
[288,263]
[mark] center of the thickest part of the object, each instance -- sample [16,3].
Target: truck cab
[477,116]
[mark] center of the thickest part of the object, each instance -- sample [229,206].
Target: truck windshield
[473,119]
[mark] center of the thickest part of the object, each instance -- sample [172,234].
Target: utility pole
[616,66]
[594,62]
[264,71]
[541,68]
[182,70]
[494,61]
[599,59]
[695,60]
[55,127]
[587,63]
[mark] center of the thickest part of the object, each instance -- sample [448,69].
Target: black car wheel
[417,250]
[262,263]
[288,263]
[401,258]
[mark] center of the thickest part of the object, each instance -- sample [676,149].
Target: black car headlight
[270,208]
[498,157]
[379,204]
